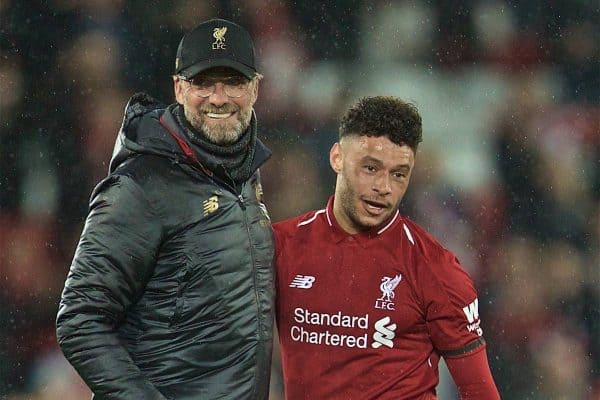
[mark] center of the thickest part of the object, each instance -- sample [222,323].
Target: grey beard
[223,134]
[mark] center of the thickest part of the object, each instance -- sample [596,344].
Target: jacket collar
[169,123]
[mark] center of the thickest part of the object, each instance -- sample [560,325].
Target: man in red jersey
[368,301]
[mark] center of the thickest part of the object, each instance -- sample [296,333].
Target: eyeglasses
[234,86]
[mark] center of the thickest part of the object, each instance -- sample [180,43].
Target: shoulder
[294,233]
[436,269]
[422,241]
[144,178]
[120,200]
[428,255]
[143,167]
[300,228]
[301,223]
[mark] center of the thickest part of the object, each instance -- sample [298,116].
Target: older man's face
[221,116]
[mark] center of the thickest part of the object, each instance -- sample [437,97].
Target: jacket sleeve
[114,259]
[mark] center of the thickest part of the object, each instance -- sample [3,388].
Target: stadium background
[508,176]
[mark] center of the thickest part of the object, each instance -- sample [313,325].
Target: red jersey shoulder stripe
[408,234]
[311,219]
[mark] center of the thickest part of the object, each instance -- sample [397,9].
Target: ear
[336,158]
[255,91]
[178,90]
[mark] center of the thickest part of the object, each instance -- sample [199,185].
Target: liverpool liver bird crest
[219,35]
[387,287]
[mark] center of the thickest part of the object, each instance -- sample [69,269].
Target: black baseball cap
[216,43]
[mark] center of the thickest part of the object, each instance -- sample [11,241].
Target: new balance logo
[384,333]
[211,205]
[302,281]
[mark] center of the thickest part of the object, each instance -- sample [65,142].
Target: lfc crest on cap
[219,35]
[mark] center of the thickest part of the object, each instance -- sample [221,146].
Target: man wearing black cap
[170,292]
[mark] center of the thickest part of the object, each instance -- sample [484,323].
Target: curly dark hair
[384,116]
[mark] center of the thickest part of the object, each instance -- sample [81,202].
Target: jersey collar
[362,238]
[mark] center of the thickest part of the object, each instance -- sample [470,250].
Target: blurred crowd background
[508,175]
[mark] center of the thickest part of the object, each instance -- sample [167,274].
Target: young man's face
[372,176]
[221,117]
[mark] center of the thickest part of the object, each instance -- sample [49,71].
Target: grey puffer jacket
[170,292]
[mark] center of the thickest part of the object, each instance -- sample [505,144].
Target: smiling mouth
[219,115]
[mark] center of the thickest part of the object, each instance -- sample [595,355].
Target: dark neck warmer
[230,161]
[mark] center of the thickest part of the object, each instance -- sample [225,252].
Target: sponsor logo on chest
[343,330]
[323,329]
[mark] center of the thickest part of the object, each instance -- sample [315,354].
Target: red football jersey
[367,316]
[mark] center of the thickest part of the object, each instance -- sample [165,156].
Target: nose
[382,184]
[218,97]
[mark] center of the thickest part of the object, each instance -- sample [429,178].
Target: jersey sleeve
[473,377]
[451,306]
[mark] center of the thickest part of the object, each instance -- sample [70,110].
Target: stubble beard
[220,133]
[349,200]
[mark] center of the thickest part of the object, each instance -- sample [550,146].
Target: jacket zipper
[197,165]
